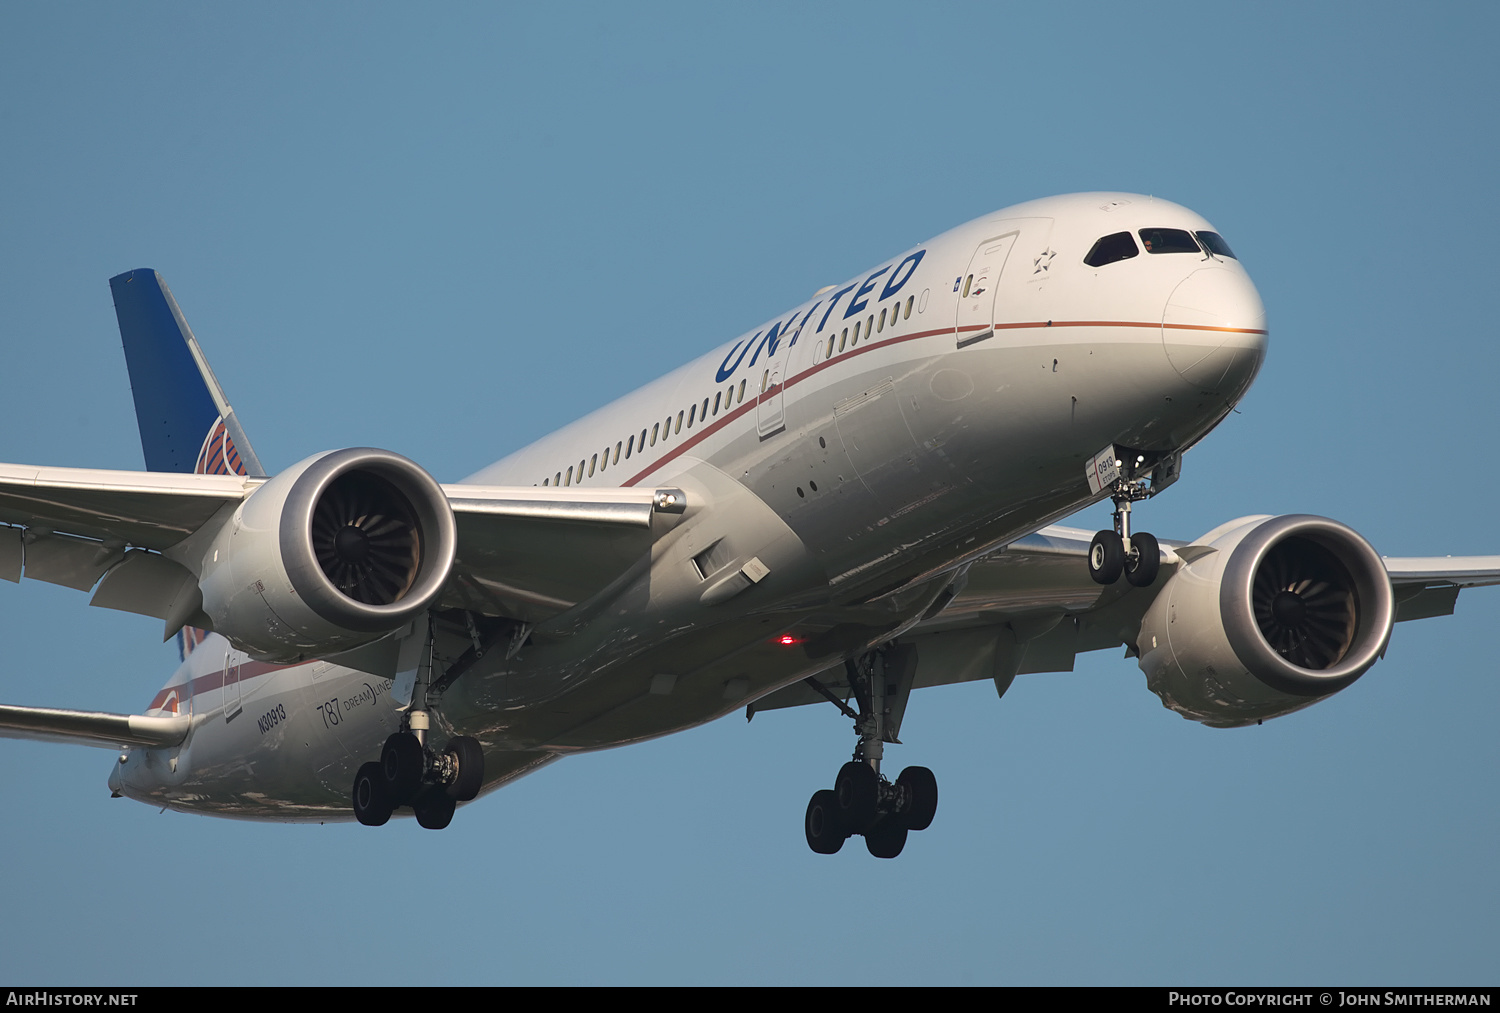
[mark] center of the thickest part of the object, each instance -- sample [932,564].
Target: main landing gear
[1118,551]
[409,773]
[863,802]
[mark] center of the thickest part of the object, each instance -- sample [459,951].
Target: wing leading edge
[523,552]
[1031,608]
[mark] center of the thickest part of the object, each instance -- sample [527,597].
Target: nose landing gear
[863,802]
[1115,552]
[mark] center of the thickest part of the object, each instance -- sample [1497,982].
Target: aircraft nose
[1213,329]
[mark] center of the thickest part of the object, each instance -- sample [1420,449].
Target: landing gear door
[976,288]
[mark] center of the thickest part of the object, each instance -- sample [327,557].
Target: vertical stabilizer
[186,422]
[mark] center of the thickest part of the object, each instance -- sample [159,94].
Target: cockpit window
[1119,246]
[1215,244]
[1169,241]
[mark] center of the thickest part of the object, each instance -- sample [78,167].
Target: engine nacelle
[1265,616]
[331,554]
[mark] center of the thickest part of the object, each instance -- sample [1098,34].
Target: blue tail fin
[186,422]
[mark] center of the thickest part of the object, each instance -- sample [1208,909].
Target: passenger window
[1169,241]
[869,326]
[679,423]
[967,282]
[844,338]
[717,396]
[630,445]
[880,326]
[693,410]
[765,378]
[617,454]
[703,412]
[570,474]
[1215,244]
[856,335]
[580,471]
[829,354]
[742,392]
[654,430]
[907,314]
[1120,246]
[593,463]
[546,481]
[558,479]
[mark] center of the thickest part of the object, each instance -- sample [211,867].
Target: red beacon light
[788,640]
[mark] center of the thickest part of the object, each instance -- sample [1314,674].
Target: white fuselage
[890,428]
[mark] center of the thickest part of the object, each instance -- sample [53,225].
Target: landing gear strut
[862,802]
[411,772]
[1119,551]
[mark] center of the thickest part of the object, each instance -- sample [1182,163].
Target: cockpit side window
[1216,245]
[1169,241]
[1119,246]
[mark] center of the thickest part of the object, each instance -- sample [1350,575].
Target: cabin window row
[872,325]
[672,425]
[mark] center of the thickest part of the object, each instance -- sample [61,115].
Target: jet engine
[331,554]
[1265,616]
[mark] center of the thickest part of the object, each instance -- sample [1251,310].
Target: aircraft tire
[856,793]
[824,834]
[402,763]
[886,840]
[1144,560]
[469,755]
[1106,557]
[371,807]
[923,787]
[434,809]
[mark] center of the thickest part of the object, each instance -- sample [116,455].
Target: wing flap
[1462,571]
[92,728]
[530,553]
[150,510]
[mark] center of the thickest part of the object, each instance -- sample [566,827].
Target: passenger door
[977,288]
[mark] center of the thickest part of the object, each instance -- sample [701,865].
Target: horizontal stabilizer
[92,728]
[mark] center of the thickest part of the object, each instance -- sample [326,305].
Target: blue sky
[447,232]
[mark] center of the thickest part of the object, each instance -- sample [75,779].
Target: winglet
[186,422]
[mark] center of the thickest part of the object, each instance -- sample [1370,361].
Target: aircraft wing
[92,728]
[1035,599]
[523,552]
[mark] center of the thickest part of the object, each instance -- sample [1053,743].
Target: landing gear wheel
[857,792]
[922,785]
[371,806]
[403,764]
[1143,560]
[824,833]
[469,757]
[1106,557]
[434,808]
[886,840]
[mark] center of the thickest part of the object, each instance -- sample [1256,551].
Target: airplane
[857,499]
